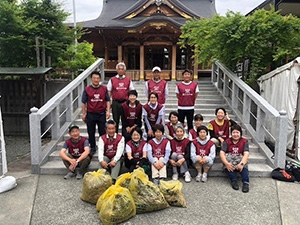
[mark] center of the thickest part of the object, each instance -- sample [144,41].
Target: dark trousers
[82,166]
[92,120]
[189,114]
[131,164]
[126,135]
[116,111]
[244,175]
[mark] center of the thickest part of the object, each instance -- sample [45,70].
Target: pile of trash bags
[132,194]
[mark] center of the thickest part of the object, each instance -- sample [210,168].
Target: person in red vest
[136,151]
[186,92]
[111,148]
[198,120]
[158,153]
[158,86]
[95,108]
[131,115]
[219,128]
[234,155]
[170,127]
[78,157]
[203,153]
[153,113]
[180,146]
[118,87]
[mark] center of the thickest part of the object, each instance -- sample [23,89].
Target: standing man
[186,92]
[118,88]
[95,108]
[111,148]
[158,86]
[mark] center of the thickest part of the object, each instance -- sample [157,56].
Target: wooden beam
[106,57]
[173,62]
[120,55]
[142,61]
[196,68]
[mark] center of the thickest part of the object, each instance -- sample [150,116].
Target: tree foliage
[266,38]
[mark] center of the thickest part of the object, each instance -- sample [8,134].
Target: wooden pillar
[173,62]
[195,68]
[142,62]
[120,57]
[106,58]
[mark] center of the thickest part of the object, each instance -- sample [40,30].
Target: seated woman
[198,120]
[219,128]
[131,114]
[203,153]
[180,154]
[158,154]
[234,155]
[170,127]
[153,113]
[136,151]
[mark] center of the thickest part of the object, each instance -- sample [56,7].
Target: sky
[90,9]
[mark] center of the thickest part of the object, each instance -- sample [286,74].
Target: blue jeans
[244,175]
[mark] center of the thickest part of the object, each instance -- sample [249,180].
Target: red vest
[120,88]
[137,153]
[203,150]
[110,147]
[131,114]
[179,146]
[152,114]
[96,99]
[193,133]
[76,150]
[172,130]
[186,94]
[236,149]
[158,150]
[158,88]
[221,131]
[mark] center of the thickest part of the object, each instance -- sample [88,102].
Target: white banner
[2,147]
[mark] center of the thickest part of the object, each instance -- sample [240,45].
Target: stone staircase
[208,100]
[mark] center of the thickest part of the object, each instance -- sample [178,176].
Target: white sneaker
[204,178]
[175,176]
[199,177]
[187,177]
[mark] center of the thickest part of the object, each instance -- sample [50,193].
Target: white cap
[156,68]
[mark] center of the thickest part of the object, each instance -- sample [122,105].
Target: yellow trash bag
[172,192]
[124,180]
[116,205]
[94,184]
[147,196]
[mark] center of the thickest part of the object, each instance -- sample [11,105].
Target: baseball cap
[156,68]
[73,125]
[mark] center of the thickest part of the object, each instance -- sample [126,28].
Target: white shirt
[120,149]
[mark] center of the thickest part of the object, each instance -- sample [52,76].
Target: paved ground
[49,199]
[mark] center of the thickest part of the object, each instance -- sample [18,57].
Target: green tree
[266,38]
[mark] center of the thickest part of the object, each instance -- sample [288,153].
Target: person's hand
[239,167]
[112,164]
[199,159]
[150,133]
[204,161]
[128,129]
[173,163]
[161,164]
[156,165]
[227,116]
[104,164]
[84,117]
[230,167]
[72,168]
[221,139]
[107,114]
[179,162]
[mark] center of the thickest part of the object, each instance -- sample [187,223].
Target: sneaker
[93,151]
[156,181]
[199,177]
[187,177]
[245,188]
[175,176]
[79,176]
[204,178]
[235,185]
[69,175]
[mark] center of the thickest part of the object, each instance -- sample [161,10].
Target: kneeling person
[111,148]
[78,155]
[203,153]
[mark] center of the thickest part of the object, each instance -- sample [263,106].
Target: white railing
[49,123]
[253,111]
[3,162]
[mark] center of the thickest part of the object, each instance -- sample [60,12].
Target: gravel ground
[16,147]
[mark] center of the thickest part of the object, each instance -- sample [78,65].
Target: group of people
[159,144]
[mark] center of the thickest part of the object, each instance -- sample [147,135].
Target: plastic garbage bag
[172,192]
[94,185]
[124,180]
[7,183]
[116,205]
[147,196]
